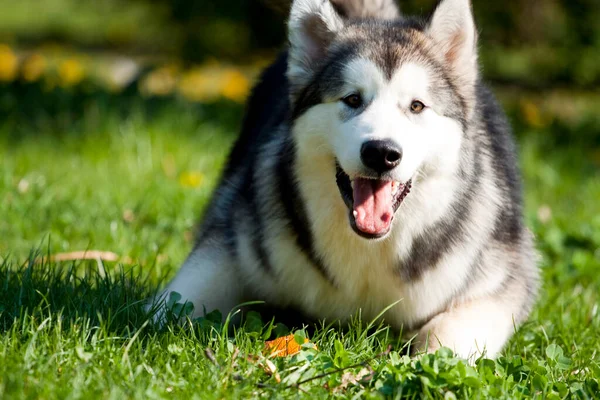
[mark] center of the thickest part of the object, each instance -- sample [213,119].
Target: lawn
[89,170]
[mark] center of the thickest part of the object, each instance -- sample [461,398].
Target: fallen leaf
[283,346]
[351,378]
[271,369]
[86,255]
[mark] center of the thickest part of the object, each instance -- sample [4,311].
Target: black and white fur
[457,257]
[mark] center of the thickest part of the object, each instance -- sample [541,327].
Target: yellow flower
[9,64]
[160,82]
[33,67]
[199,84]
[532,114]
[71,72]
[235,85]
[191,179]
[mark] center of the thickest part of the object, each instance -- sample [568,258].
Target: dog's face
[388,101]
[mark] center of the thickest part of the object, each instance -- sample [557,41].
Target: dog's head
[388,98]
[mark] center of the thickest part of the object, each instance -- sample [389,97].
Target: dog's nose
[380,155]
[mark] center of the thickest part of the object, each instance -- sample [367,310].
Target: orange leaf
[282,347]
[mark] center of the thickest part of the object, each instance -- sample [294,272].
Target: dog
[374,168]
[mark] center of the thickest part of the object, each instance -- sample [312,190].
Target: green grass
[93,171]
[109,22]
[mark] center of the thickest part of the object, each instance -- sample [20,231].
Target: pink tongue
[373,206]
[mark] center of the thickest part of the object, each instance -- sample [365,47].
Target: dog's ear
[452,28]
[378,9]
[311,28]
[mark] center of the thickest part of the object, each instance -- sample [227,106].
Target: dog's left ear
[312,26]
[453,29]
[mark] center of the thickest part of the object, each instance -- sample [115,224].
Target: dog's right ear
[311,28]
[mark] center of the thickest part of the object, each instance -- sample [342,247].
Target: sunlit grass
[134,185]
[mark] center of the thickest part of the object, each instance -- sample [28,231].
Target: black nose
[380,155]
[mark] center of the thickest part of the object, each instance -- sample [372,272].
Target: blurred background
[115,115]
[167,47]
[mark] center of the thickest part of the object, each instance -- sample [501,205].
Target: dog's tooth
[395,187]
[355,213]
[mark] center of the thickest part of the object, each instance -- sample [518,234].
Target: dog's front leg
[469,329]
[208,280]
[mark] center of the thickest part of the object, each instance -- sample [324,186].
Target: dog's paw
[469,339]
[424,342]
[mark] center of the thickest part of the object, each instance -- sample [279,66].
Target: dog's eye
[354,100]
[416,106]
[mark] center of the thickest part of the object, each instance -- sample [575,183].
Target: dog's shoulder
[267,108]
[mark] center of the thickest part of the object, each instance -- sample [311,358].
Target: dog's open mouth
[372,202]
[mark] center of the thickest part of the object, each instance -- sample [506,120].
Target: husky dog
[373,168]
